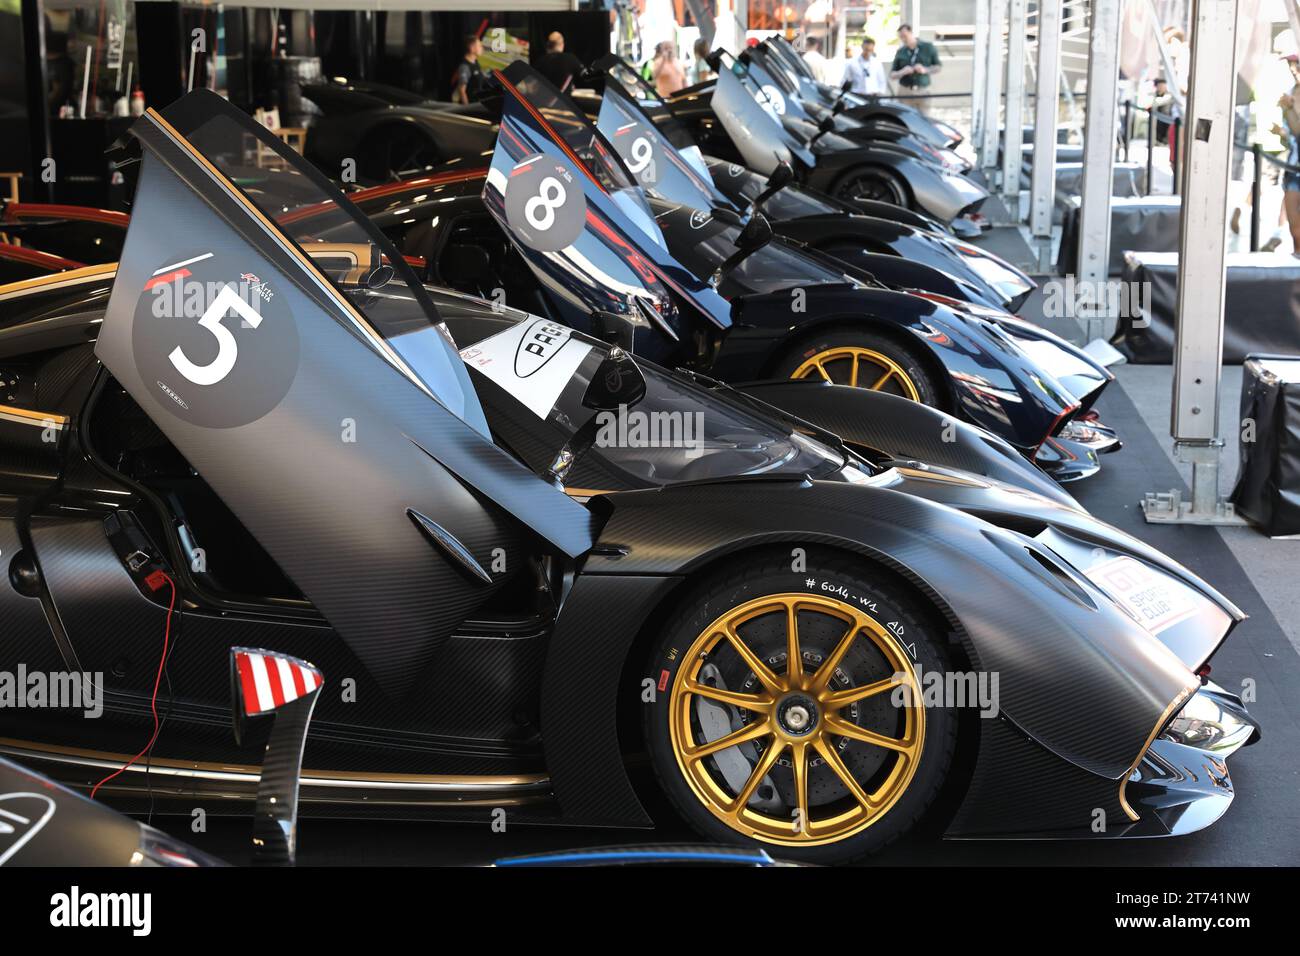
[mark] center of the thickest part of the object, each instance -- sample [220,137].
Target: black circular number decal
[215,346]
[545,205]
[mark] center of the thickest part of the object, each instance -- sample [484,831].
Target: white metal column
[1198,342]
[993,87]
[1099,156]
[979,76]
[1017,17]
[1042,187]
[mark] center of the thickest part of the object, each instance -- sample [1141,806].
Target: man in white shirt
[865,74]
[813,57]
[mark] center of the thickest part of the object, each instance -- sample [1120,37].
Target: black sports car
[778,54]
[522,557]
[668,164]
[738,118]
[703,288]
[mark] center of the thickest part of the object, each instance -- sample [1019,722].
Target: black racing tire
[826,577]
[874,183]
[835,346]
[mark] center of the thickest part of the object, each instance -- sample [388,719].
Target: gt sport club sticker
[545,205]
[1156,600]
[214,342]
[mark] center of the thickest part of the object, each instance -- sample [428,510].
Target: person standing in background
[812,55]
[667,72]
[865,74]
[914,63]
[467,85]
[558,65]
[1290,133]
[700,70]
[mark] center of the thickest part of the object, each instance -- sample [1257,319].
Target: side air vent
[449,545]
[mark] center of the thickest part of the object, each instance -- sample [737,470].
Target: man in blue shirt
[865,74]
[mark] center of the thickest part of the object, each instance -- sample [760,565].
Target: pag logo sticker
[701,218]
[533,361]
[215,344]
[545,205]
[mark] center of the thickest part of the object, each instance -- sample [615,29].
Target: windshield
[751,119]
[660,168]
[399,319]
[776,267]
[536,373]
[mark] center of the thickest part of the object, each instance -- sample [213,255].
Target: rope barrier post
[1128,125]
[1151,147]
[1256,187]
[1175,151]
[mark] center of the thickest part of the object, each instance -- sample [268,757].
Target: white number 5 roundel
[227,300]
[215,339]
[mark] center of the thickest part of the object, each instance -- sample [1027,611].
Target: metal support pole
[993,89]
[1042,186]
[1256,183]
[1013,138]
[1206,158]
[1099,158]
[979,77]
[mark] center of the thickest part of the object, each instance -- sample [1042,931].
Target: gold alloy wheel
[880,369]
[796,711]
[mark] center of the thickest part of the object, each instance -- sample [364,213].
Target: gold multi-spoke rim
[796,681]
[867,369]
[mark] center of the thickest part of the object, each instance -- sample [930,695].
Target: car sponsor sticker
[533,361]
[1156,600]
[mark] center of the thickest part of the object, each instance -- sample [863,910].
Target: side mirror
[618,381]
[714,59]
[268,684]
[838,108]
[846,86]
[755,235]
[781,177]
[827,125]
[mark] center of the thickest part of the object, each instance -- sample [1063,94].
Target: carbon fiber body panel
[906,430]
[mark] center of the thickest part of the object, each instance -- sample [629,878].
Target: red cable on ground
[153,701]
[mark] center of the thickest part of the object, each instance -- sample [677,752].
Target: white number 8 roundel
[545,205]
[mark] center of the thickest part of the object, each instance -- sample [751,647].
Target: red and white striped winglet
[271,680]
